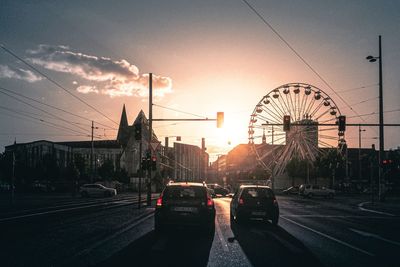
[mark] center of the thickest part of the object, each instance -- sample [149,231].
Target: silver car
[96,190]
[307,190]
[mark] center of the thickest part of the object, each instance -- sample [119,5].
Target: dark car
[188,204]
[218,190]
[291,190]
[254,202]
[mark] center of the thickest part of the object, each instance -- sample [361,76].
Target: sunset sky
[207,56]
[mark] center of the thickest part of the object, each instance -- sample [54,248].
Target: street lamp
[381,134]
[359,151]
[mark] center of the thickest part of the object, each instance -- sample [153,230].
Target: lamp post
[359,151]
[381,133]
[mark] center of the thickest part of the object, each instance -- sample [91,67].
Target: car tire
[275,220]
[310,195]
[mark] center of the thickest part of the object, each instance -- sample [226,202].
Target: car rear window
[252,193]
[184,192]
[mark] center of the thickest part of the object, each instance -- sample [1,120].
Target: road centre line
[101,242]
[367,234]
[360,206]
[330,237]
[220,236]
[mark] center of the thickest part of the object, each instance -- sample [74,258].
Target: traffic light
[154,163]
[144,164]
[138,132]
[178,138]
[286,123]
[220,119]
[342,123]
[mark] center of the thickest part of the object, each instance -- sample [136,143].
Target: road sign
[154,145]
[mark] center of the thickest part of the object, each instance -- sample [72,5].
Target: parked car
[291,190]
[218,190]
[307,190]
[254,202]
[92,190]
[188,204]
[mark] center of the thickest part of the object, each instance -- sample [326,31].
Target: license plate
[258,213]
[185,209]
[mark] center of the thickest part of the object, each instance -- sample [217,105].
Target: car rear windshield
[252,193]
[184,192]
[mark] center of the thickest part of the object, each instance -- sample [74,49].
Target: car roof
[186,184]
[254,186]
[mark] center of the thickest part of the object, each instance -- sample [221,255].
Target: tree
[106,170]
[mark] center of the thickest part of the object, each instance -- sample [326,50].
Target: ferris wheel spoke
[288,105]
[327,137]
[275,116]
[329,120]
[303,101]
[293,106]
[316,109]
[310,105]
[322,114]
[324,144]
[278,108]
[283,103]
[327,129]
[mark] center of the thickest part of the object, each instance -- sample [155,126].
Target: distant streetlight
[381,134]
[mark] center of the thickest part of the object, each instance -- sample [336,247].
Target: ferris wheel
[308,108]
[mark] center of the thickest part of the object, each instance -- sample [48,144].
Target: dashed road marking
[220,236]
[330,237]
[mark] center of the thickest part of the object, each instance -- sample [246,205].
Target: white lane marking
[360,206]
[220,236]
[366,234]
[333,216]
[101,242]
[330,237]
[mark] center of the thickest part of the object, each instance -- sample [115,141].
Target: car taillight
[159,202]
[210,202]
[241,201]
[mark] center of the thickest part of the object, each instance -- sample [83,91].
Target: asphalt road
[113,232]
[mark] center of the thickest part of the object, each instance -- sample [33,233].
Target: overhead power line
[357,88]
[42,121]
[55,82]
[300,57]
[50,114]
[57,108]
[180,111]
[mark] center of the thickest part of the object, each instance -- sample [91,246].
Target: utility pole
[91,155]
[381,133]
[140,174]
[150,135]
[381,123]
[359,151]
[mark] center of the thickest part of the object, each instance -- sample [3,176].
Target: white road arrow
[366,234]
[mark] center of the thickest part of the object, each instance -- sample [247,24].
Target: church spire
[123,130]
